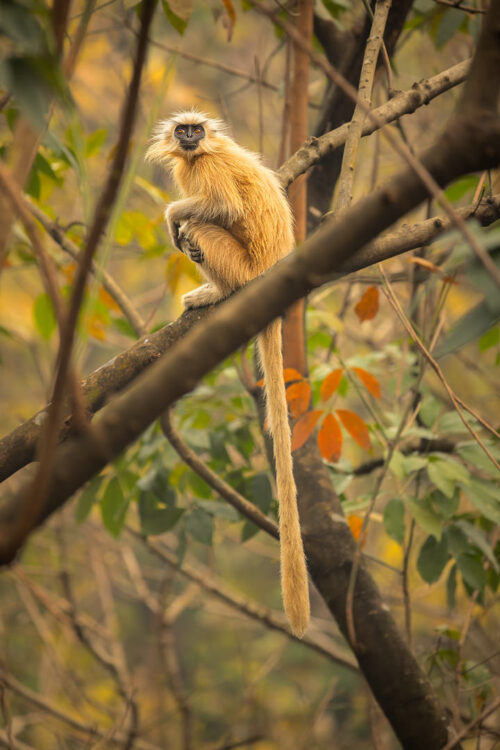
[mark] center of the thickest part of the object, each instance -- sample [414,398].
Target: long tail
[294,586]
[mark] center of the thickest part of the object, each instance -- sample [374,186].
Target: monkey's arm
[180,211]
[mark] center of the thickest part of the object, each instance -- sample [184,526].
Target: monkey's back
[243,196]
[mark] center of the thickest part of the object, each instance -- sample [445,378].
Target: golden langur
[235,223]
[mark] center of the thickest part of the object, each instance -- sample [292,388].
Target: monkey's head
[187,134]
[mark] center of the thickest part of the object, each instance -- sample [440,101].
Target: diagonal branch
[406,102]
[17,448]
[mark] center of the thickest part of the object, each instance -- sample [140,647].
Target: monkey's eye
[197,131]
[180,130]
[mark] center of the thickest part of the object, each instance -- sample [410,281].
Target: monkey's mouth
[189,146]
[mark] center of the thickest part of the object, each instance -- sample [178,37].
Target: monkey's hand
[190,248]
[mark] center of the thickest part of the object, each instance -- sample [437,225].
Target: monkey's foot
[190,248]
[202,296]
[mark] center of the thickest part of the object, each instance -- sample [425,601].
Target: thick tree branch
[17,448]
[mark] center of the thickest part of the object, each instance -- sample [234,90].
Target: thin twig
[91,730]
[458,403]
[107,281]
[478,720]
[367,77]
[407,102]
[233,497]
[258,613]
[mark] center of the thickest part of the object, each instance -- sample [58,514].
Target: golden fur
[236,214]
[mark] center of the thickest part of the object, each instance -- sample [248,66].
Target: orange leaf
[367,307]
[231,18]
[330,384]
[356,524]
[304,427]
[298,396]
[356,427]
[425,264]
[330,439]
[289,373]
[106,298]
[369,381]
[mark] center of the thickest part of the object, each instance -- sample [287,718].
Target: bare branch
[406,102]
[17,448]
[372,49]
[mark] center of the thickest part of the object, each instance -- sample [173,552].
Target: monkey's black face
[189,136]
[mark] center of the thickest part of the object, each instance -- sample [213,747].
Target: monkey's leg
[206,294]
[227,263]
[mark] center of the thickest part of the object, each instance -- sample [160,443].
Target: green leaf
[248,531]
[426,517]
[472,569]
[157,481]
[178,23]
[95,141]
[489,339]
[451,587]
[444,483]
[475,455]
[394,519]
[430,409]
[449,24]
[219,509]
[432,559]
[478,539]
[456,540]
[260,492]
[114,507]
[156,519]
[22,27]
[87,499]
[445,473]
[44,317]
[199,524]
[402,466]
[445,506]
[486,497]
[460,187]
[336,7]
[199,487]
[21,76]
[343,388]
[470,326]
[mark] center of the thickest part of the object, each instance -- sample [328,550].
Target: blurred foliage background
[104,642]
